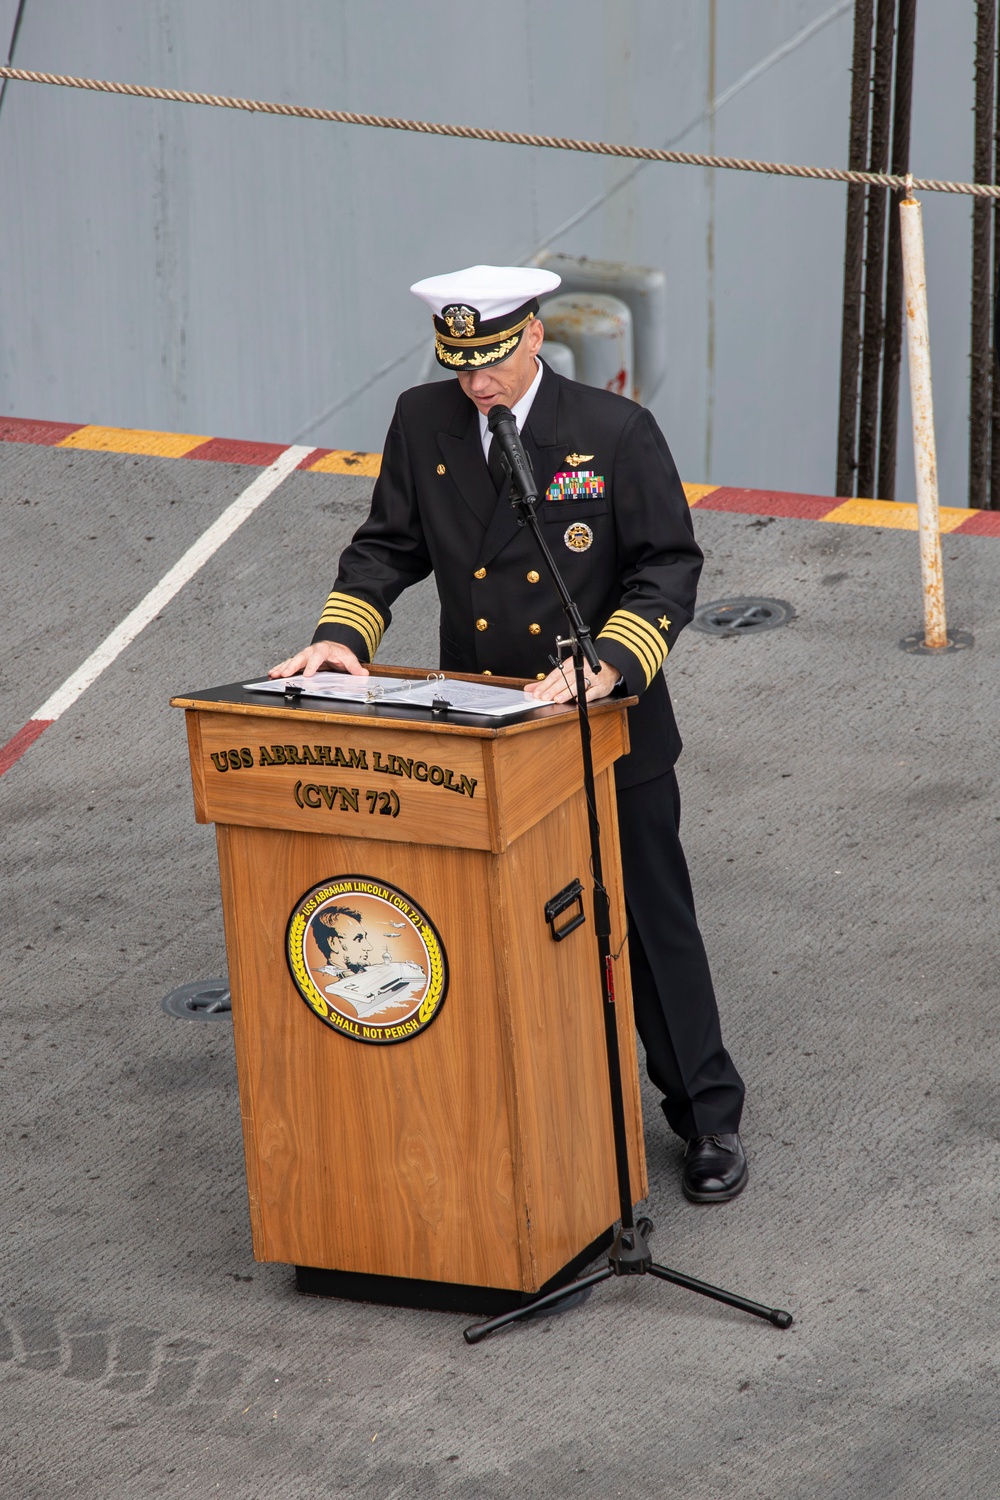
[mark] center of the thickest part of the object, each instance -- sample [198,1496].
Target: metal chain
[505,137]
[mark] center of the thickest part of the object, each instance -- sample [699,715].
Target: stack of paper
[463,697]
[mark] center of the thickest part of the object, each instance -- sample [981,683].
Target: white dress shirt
[520,412]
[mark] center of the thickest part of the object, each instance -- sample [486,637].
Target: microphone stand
[629,1254]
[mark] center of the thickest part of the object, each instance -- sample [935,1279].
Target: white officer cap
[480,313]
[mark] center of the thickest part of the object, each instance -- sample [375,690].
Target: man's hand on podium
[320,654]
[559,686]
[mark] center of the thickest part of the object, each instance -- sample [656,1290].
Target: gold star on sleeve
[663,623]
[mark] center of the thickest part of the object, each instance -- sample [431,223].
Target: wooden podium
[442,1135]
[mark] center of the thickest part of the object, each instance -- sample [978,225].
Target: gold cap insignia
[461,321]
[575,459]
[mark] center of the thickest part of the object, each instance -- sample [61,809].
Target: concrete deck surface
[841,820]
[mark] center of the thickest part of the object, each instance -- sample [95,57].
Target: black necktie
[494,462]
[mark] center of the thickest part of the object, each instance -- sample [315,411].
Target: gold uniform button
[539,676]
[535,629]
[441,468]
[482,624]
[479,573]
[532,576]
[487,672]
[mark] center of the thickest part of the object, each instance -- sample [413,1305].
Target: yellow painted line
[892,514]
[131,440]
[345,462]
[696,492]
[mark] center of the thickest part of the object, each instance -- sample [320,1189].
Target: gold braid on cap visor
[458,358]
[456,355]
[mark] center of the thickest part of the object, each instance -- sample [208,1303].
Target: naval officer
[615,514]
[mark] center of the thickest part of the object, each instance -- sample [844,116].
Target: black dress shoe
[715,1169]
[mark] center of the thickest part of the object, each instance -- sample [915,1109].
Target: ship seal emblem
[578,537]
[366,959]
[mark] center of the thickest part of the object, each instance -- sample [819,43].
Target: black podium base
[439,1296]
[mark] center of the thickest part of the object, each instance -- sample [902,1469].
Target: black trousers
[675,1009]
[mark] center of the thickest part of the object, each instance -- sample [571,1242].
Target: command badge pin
[578,537]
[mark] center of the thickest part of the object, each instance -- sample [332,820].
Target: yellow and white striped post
[918,349]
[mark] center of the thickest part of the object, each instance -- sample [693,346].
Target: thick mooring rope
[504,137]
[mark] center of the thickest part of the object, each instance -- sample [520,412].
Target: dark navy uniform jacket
[626,548]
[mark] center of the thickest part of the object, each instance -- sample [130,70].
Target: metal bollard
[918,351]
[644,292]
[599,332]
[559,357]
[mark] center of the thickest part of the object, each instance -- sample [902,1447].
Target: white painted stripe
[171,583]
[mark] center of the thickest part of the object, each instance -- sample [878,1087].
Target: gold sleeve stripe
[356,609]
[626,616]
[649,665]
[342,613]
[640,630]
[338,616]
[624,619]
[344,609]
[632,631]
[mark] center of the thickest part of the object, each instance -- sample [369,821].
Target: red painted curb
[237,451]
[214,450]
[770,503]
[22,740]
[47,434]
[315,456]
[980,523]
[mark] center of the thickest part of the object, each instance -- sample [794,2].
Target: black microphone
[500,420]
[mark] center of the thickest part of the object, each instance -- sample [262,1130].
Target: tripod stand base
[630,1256]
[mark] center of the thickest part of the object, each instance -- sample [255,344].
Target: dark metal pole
[981,360]
[874,325]
[900,165]
[12,47]
[994,498]
[854,235]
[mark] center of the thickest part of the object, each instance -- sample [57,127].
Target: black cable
[13,47]
[616,955]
